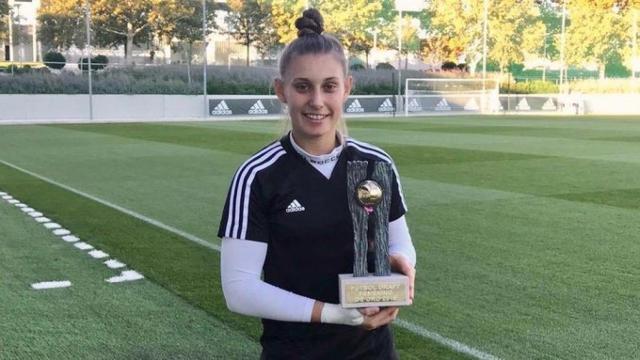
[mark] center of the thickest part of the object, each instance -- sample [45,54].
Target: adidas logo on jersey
[355,107]
[221,109]
[386,106]
[295,206]
[258,108]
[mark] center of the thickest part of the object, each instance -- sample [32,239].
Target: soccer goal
[451,96]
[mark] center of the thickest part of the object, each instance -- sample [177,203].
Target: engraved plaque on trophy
[371,198]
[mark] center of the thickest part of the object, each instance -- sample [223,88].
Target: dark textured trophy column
[371,197]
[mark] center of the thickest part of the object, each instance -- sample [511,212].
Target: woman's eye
[330,87]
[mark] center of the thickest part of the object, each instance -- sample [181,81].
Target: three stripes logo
[355,107]
[549,105]
[386,106]
[258,109]
[414,105]
[443,105]
[472,105]
[523,105]
[295,206]
[221,109]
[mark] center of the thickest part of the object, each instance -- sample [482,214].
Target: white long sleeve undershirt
[246,293]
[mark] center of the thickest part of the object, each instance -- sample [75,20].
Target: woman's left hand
[400,264]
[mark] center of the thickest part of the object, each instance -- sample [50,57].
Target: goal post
[443,96]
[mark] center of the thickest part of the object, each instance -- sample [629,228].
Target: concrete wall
[117,108]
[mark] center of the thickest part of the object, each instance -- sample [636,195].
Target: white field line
[416,329]
[119,208]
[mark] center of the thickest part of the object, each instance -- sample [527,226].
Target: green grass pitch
[525,227]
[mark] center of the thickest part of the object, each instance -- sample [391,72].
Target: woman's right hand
[381,318]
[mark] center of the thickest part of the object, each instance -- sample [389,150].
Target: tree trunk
[366,56]
[189,55]
[601,71]
[128,49]
[248,46]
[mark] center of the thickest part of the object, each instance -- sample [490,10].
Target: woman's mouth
[314,116]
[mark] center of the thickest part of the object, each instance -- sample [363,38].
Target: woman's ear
[278,86]
[348,84]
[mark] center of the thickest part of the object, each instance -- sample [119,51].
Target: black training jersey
[279,198]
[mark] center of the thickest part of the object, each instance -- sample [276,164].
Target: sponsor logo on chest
[295,206]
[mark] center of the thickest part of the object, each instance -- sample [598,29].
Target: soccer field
[525,228]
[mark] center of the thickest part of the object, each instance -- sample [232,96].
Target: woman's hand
[381,318]
[400,264]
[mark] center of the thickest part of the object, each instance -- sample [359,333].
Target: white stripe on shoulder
[237,184]
[247,190]
[381,154]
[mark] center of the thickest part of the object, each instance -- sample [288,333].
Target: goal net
[444,96]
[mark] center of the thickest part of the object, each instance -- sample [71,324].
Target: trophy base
[357,292]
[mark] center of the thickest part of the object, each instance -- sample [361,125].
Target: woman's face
[314,88]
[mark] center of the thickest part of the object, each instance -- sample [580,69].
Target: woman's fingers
[400,264]
[383,317]
[369,311]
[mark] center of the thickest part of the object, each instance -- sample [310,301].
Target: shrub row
[174,79]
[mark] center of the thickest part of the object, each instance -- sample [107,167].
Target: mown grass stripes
[183,267]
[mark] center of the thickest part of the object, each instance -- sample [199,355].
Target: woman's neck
[317,145]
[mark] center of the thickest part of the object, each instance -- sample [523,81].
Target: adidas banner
[244,106]
[263,105]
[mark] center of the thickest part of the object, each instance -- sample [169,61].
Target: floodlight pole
[484,43]
[562,43]
[400,55]
[204,59]
[87,20]
[634,57]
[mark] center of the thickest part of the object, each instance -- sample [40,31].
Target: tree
[186,25]
[515,29]
[248,19]
[598,33]
[347,20]
[4,12]
[61,24]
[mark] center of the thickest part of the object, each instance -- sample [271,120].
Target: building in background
[22,43]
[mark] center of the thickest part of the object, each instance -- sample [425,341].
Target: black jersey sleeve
[244,216]
[398,206]
[245,211]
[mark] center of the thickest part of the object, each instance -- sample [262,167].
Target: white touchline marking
[450,343]
[13,201]
[70,238]
[127,275]
[98,254]
[20,205]
[7,197]
[35,214]
[27,210]
[52,225]
[61,232]
[42,219]
[83,246]
[51,284]
[114,264]
[416,329]
[132,213]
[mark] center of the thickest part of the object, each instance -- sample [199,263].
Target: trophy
[369,201]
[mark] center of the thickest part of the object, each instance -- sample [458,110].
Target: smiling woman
[287,216]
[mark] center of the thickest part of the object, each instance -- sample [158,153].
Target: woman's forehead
[315,67]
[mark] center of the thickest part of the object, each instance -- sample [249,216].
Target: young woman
[287,216]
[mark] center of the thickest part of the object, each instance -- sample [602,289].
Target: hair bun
[310,23]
